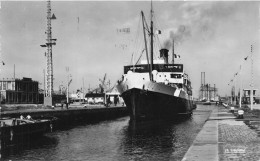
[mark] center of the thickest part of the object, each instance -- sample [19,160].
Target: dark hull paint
[12,133]
[148,105]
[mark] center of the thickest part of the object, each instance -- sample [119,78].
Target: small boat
[12,128]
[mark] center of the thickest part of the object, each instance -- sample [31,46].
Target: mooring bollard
[232,109]
[240,114]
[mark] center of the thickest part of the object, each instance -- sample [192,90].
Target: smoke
[183,32]
[201,20]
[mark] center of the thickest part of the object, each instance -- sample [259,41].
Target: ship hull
[147,100]
[148,105]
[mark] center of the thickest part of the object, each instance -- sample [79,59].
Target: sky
[211,37]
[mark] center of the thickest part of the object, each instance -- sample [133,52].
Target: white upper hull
[133,80]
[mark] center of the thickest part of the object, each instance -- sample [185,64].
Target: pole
[240,91]
[14,71]
[209,93]
[67,105]
[201,87]
[252,85]
[214,92]
[67,92]
[44,82]
[235,101]
[151,65]
[204,85]
[83,91]
[232,94]
[173,54]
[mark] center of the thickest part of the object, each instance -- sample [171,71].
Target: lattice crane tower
[50,42]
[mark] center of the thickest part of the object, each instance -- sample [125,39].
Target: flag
[53,17]
[70,82]
[158,32]
[176,56]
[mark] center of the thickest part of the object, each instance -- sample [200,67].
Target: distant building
[95,98]
[19,91]
[77,97]
[208,93]
[112,94]
[246,96]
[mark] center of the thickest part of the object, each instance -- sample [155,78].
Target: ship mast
[151,65]
[146,51]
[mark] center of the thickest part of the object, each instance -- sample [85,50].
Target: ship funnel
[164,55]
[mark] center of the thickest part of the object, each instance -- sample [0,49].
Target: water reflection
[19,147]
[152,140]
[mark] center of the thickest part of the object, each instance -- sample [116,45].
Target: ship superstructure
[167,95]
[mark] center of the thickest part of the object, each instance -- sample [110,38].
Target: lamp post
[231,93]
[2,63]
[240,91]
[251,85]
[68,84]
[235,101]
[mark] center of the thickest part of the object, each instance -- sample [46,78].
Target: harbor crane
[101,87]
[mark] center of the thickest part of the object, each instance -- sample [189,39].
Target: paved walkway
[256,106]
[224,138]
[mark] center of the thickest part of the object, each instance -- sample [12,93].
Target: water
[114,140]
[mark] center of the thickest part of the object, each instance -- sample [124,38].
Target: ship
[156,89]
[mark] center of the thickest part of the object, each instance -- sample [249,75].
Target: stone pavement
[225,138]
[256,106]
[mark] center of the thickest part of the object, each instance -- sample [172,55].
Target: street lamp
[69,80]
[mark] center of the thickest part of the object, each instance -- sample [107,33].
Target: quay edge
[72,114]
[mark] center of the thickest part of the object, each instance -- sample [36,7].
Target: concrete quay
[88,113]
[225,138]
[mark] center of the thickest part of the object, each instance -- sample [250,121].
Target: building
[208,93]
[19,91]
[246,96]
[113,94]
[95,98]
[77,97]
